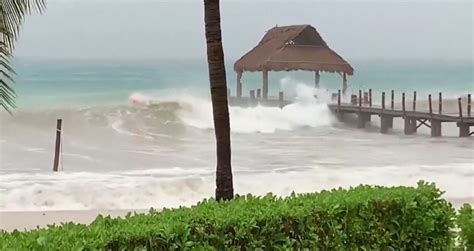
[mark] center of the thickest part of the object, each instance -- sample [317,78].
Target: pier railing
[427,113]
[363,105]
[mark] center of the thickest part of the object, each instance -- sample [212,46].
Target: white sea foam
[305,112]
[274,150]
[147,188]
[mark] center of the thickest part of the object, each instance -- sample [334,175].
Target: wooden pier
[363,107]
[413,119]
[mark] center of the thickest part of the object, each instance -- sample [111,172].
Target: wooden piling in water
[403,102]
[259,93]
[460,107]
[469,105]
[281,99]
[435,128]
[360,98]
[414,101]
[430,105]
[362,119]
[340,115]
[440,103]
[463,130]
[386,121]
[392,104]
[409,125]
[370,97]
[383,100]
[57,145]
[414,125]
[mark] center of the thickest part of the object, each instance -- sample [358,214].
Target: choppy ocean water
[117,155]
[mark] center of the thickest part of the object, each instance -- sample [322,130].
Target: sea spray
[308,110]
[173,187]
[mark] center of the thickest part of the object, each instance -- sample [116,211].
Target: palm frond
[12,14]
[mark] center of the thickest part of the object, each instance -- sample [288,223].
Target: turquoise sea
[44,84]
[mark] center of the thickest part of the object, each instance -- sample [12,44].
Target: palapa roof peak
[295,47]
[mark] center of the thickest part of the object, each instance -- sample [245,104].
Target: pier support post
[414,122]
[385,122]
[390,122]
[435,128]
[463,130]
[362,119]
[410,126]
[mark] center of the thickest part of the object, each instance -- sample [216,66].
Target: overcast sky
[147,29]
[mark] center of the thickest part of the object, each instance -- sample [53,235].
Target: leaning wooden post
[58,145]
[414,101]
[440,104]
[430,105]
[392,98]
[370,97]
[469,105]
[383,100]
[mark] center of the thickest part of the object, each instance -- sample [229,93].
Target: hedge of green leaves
[465,221]
[365,217]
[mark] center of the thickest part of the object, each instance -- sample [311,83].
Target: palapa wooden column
[265,84]
[317,77]
[344,83]
[239,84]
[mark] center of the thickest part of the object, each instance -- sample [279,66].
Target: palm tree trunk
[217,78]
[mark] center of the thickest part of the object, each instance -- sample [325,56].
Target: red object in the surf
[136,100]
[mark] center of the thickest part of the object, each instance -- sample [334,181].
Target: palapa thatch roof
[288,48]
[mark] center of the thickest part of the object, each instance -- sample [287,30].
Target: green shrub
[364,217]
[465,222]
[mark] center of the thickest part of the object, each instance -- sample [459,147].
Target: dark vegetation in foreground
[365,217]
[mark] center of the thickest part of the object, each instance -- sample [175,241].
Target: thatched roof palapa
[289,48]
